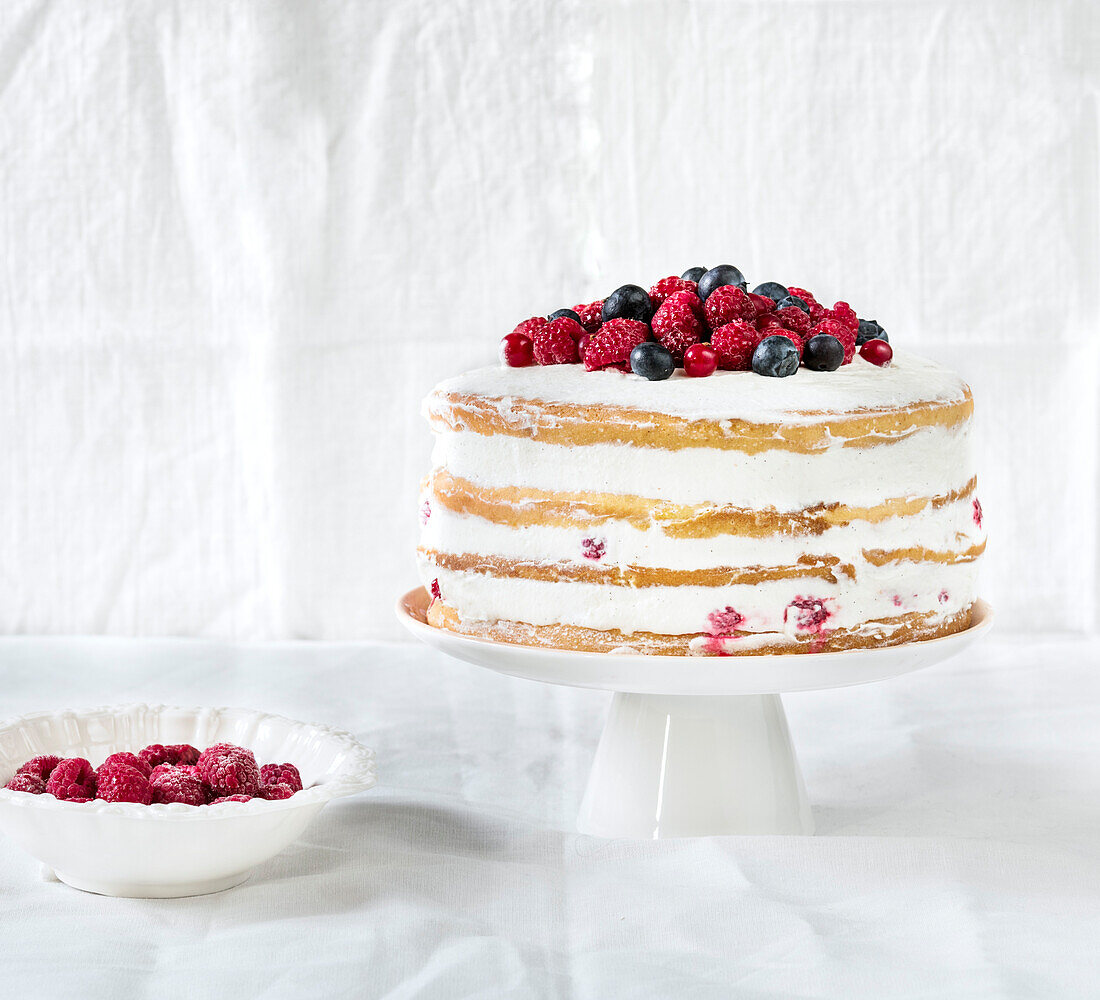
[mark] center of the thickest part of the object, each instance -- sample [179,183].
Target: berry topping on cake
[700,360]
[823,353]
[773,290]
[556,342]
[591,315]
[564,314]
[725,621]
[229,769]
[793,318]
[240,797]
[809,614]
[977,513]
[517,350]
[845,315]
[667,286]
[119,782]
[689,299]
[437,594]
[878,352]
[694,274]
[813,307]
[676,325]
[869,329]
[762,304]
[652,361]
[593,548]
[628,302]
[775,356]
[718,277]
[281,790]
[831,328]
[728,303]
[793,302]
[284,774]
[28,782]
[613,342]
[73,778]
[178,753]
[734,344]
[41,766]
[944,597]
[130,760]
[169,783]
[528,327]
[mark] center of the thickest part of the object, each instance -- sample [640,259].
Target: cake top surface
[725,395]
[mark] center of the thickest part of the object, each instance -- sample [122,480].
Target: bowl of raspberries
[156,801]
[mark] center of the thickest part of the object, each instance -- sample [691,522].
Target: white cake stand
[692,745]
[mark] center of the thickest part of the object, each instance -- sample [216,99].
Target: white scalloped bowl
[126,849]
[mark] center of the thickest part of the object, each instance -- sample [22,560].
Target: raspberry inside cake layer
[735,514]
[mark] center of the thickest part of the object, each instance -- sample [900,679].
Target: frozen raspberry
[41,766]
[729,303]
[794,318]
[667,286]
[131,760]
[25,781]
[425,512]
[555,343]
[529,327]
[281,774]
[593,548]
[232,798]
[810,613]
[437,594]
[612,343]
[278,791]
[689,299]
[229,769]
[169,783]
[763,304]
[841,332]
[725,621]
[591,315]
[845,315]
[73,778]
[735,343]
[119,782]
[977,521]
[817,310]
[676,327]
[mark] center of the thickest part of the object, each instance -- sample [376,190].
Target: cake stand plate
[692,745]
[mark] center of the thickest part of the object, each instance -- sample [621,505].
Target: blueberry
[823,353]
[567,313]
[694,273]
[773,290]
[775,356]
[651,361]
[793,300]
[628,302]
[716,277]
[870,330]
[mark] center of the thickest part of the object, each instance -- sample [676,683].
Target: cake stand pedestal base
[683,766]
[693,745]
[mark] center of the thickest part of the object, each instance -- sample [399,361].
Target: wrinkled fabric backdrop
[240,241]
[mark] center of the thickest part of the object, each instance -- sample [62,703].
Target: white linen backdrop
[240,241]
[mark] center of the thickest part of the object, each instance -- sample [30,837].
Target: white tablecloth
[957,809]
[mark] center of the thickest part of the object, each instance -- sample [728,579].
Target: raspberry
[41,766]
[437,594]
[725,621]
[25,781]
[555,343]
[845,315]
[667,286]
[593,548]
[677,327]
[177,753]
[612,343]
[130,760]
[728,303]
[794,318]
[424,512]
[72,779]
[810,611]
[233,798]
[735,343]
[169,783]
[762,303]
[689,299]
[591,315]
[120,782]
[229,769]
[944,597]
[842,333]
[281,774]
[769,322]
[817,310]
[279,791]
[978,513]
[528,327]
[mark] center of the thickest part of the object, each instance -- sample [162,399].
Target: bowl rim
[357,773]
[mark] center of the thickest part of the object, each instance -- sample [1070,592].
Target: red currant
[516,350]
[878,352]
[700,360]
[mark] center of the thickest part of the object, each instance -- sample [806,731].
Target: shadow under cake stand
[693,745]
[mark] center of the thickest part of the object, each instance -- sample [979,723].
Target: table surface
[957,855]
